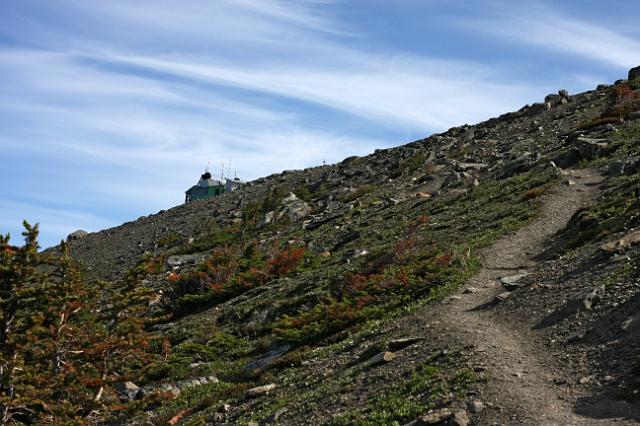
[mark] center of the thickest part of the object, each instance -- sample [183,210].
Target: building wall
[215,190]
[198,192]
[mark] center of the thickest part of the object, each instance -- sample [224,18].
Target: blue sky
[110,109]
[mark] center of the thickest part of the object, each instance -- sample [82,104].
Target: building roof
[205,183]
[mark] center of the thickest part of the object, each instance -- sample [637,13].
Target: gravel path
[526,383]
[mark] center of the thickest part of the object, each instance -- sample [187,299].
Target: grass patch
[199,398]
[617,211]
[354,195]
[411,397]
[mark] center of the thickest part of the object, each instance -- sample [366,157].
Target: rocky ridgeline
[457,159]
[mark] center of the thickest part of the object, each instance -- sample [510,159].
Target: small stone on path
[381,358]
[503,296]
[398,344]
[260,390]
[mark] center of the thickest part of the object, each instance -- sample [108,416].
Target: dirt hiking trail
[526,382]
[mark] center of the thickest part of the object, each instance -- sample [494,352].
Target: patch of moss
[614,212]
[352,196]
[199,398]
[411,397]
[414,163]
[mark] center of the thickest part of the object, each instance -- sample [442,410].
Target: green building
[208,187]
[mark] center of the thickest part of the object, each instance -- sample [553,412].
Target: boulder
[435,418]
[469,132]
[355,253]
[267,360]
[76,235]
[198,381]
[476,406]
[567,158]
[625,167]
[512,282]
[634,73]
[165,388]
[584,380]
[522,164]
[622,244]
[176,388]
[443,416]
[459,418]
[537,108]
[268,217]
[463,167]
[260,390]
[591,148]
[552,98]
[333,206]
[294,208]
[128,390]
[398,344]
[583,148]
[562,98]
[177,261]
[503,296]
[381,358]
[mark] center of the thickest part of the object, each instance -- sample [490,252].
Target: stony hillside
[485,275]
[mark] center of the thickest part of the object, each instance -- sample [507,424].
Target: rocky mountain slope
[485,275]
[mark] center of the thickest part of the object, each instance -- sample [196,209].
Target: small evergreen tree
[42,299]
[62,341]
[120,339]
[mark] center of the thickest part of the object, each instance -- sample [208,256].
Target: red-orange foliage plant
[230,271]
[284,261]
[623,92]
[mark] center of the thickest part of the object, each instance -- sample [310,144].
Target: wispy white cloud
[548,27]
[406,91]
[161,25]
